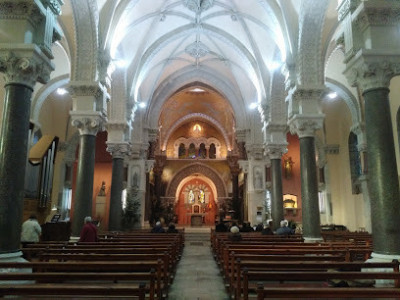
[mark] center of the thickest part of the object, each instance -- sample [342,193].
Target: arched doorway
[196,202]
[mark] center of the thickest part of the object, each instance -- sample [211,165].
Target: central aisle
[197,276]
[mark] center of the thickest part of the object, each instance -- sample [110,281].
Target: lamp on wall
[287,167]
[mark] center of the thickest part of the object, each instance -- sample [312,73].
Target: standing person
[89,231]
[31,231]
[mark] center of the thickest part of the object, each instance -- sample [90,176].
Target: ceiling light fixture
[332,95]
[197,90]
[253,105]
[61,91]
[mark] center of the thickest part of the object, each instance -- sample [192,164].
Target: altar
[196,219]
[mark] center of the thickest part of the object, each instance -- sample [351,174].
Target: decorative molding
[197,49]
[95,89]
[331,149]
[116,126]
[22,9]
[255,151]
[118,150]
[198,6]
[306,125]
[87,122]
[24,64]
[377,16]
[346,7]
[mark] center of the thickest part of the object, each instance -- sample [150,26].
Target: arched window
[182,151]
[212,152]
[355,164]
[202,151]
[192,151]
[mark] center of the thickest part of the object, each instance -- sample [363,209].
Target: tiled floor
[197,276]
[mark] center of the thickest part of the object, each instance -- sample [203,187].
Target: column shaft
[13,155]
[276,192]
[115,220]
[309,189]
[84,182]
[235,197]
[382,172]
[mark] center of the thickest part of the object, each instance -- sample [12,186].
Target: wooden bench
[300,267]
[131,291]
[337,292]
[90,267]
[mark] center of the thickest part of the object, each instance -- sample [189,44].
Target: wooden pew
[131,291]
[338,293]
[146,278]
[97,267]
[300,267]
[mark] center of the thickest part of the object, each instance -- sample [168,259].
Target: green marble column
[236,205]
[115,219]
[84,182]
[382,173]
[309,190]
[276,192]
[13,156]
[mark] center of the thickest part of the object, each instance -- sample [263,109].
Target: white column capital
[306,125]
[89,95]
[275,151]
[24,64]
[87,122]
[371,69]
[118,150]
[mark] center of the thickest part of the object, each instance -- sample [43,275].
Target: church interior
[195,112]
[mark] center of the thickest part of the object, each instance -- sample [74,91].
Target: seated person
[172,229]
[158,228]
[267,230]
[284,229]
[220,227]
[235,235]
[246,227]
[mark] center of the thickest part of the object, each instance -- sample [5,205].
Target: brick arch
[200,169]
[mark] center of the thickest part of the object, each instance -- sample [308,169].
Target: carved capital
[256,151]
[346,7]
[152,134]
[118,150]
[24,64]
[88,123]
[306,125]
[275,151]
[233,162]
[372,70]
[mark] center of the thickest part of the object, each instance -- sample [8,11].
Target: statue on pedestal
[102,191]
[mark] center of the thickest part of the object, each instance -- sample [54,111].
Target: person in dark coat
[158,228]
[267,230]
[172,229]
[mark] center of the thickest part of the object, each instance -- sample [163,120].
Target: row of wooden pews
[286,265]
[137,265]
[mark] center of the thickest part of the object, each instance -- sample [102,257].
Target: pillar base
[14,257]
[376,257]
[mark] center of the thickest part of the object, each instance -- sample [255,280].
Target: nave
[200,264]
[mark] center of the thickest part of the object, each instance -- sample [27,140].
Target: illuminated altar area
[196,205]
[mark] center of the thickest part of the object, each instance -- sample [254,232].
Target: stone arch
[201,169]
[310,60]
[86,18]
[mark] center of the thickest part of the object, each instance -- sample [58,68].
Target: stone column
[275,154]
[376,23]
[276,146]
[235,170]
[382,170]
[23,64]
[305,127]
[158,170]
[118,151]
[89,116]
[88,128]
